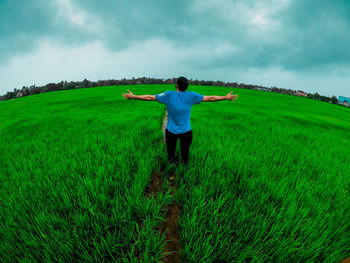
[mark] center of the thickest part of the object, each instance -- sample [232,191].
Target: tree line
[65,85]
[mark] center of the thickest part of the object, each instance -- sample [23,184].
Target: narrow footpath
[170,225]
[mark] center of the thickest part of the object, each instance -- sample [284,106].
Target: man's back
[179,105]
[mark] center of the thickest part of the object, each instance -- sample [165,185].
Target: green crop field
[268,178]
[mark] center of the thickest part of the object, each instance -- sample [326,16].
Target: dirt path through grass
[172,212]
[155,185]
[170,226]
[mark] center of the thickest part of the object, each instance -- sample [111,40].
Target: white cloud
[259,20]
[256,19]
[329,84]
[155,58]
[77,17]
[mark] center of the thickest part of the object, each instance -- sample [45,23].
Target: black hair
[183,83]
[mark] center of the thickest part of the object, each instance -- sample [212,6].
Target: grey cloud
[310,33]
[315,33]
[23,24]
[142,20]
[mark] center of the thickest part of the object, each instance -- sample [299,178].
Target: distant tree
[9,95]
[334,100]
[86,83]
[51,87]
[64,85]
[317,96]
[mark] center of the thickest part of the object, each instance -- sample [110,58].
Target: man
[179,105]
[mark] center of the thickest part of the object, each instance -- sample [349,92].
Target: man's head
[181,83]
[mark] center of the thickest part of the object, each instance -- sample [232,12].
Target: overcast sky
[295,44]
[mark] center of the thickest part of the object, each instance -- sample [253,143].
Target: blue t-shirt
[179,105]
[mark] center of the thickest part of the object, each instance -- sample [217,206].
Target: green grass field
[267,181]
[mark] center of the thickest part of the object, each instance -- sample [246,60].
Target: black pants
[185,142]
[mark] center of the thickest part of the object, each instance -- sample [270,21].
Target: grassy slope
[267,180]
[74,166]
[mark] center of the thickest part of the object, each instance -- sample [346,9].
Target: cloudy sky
[296,44]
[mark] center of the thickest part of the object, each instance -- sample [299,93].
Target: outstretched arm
[218,98]
[130,95]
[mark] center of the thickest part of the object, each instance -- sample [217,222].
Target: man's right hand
[128,96]
[231,97]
